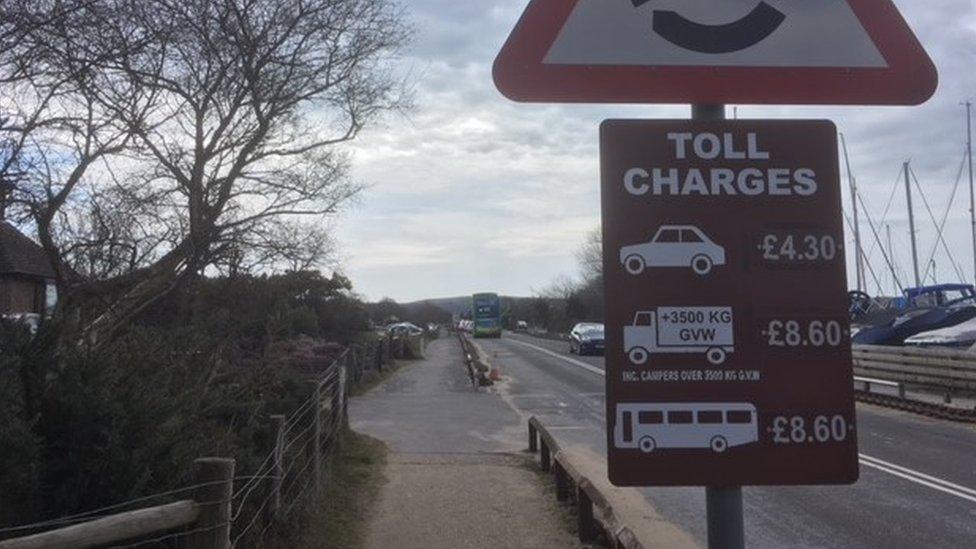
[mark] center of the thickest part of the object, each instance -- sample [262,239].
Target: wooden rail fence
[221,514]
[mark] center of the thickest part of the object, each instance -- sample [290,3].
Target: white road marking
[899,471]
[919,478]
[574,362]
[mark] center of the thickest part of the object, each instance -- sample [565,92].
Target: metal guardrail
[868,382]
[937,372]
[942,370]
[573,486]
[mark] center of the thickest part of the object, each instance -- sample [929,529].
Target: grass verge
[565,513]
[339,517]
[372,379]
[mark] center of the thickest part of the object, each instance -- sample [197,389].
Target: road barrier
[866,383]
[944,373]
[479,368]
[942,370]
[595,514]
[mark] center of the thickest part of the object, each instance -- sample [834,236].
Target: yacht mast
[891,263]
[858,252]
[911,226]
[972,192]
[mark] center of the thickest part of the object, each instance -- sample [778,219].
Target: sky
[471,192]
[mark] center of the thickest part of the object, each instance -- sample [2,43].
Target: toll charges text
[770,180]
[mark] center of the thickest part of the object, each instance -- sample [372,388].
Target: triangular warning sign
[708,51]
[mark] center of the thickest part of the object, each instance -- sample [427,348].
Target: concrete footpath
[455,474]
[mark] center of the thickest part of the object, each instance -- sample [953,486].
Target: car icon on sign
[674,246]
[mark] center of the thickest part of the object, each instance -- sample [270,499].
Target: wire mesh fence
[249,505]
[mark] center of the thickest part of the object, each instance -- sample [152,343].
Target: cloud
[473,192]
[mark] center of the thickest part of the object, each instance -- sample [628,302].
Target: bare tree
[57,130]
[207,127]
[590,256]
[253,97]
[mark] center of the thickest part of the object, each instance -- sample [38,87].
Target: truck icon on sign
[672,330]
[674,246]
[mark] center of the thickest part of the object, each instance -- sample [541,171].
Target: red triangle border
[910,78]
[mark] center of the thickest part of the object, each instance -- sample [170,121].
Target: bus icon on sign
[689,426]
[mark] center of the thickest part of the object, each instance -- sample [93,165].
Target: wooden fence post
[587,530]
[379,356]
[279,428]
[562,482]
[533,439]
[544,457]
[317,418]
[212,529]
[358,366]
[343,404]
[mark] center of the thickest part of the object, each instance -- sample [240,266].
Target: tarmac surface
[455,474]
[918,475]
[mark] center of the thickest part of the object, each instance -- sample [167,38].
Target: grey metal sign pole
[723,505]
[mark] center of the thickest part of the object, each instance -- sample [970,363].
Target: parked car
[404,328]
[586,338]
[674,246]
[521,326]
[31,320]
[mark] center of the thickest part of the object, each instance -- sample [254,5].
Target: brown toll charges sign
[728,352]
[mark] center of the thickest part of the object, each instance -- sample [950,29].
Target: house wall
[21,295]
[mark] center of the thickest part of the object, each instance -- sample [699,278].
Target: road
[918,475]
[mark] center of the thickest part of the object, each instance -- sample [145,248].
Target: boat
[960,336]
[919,310]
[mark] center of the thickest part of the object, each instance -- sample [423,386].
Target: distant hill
[454,305]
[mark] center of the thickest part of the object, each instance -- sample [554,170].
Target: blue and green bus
[486,314]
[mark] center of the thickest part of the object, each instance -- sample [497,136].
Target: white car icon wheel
[647,445]
[719,444]
[716,355]
[701,264]
[634,264]
[638,355]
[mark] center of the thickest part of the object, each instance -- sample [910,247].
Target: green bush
[82,428]
[128,419]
